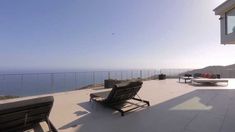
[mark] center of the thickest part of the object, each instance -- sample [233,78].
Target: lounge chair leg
[122,113]
[147,103]
[50,125]
[118,109]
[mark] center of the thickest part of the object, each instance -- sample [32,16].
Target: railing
[28,84]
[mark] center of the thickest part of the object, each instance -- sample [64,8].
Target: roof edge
[224,7]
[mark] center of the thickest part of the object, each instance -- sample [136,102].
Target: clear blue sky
[110,34]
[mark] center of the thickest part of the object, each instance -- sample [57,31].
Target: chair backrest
[123,91]
[21,115]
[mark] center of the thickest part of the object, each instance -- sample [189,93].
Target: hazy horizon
[124,34]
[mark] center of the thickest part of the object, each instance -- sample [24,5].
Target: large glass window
[230,18]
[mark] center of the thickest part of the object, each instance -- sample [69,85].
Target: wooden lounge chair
[26,114]
[120,96]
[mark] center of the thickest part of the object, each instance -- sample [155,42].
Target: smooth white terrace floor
[175,107]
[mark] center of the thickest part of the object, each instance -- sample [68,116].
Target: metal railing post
[5,83]
[52,80]
[22,81]
[93,78]
[121,75]
[140,74]
[131,74]
[109,75]
[148,75]
[76,76]
[64,80]
[154,74]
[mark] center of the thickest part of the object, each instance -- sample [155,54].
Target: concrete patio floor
[175,107]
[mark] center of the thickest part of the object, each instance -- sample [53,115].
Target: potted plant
[161,76]
[109,83]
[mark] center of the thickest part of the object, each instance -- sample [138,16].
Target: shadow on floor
[197,111]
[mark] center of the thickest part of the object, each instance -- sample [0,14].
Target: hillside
[224,71]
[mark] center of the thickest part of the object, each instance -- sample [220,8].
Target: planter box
[109,83]
[162,77]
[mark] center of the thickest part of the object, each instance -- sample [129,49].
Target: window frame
[226,21]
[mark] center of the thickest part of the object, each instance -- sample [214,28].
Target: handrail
[24,84]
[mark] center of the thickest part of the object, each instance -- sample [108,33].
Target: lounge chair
[26,114]
[186,77]
[121,95]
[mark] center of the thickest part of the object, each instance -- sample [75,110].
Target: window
[230,21]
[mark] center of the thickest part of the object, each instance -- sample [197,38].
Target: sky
[111,34]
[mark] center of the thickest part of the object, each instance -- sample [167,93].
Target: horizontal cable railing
[28,84]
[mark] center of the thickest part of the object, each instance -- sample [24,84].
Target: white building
[227,21]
